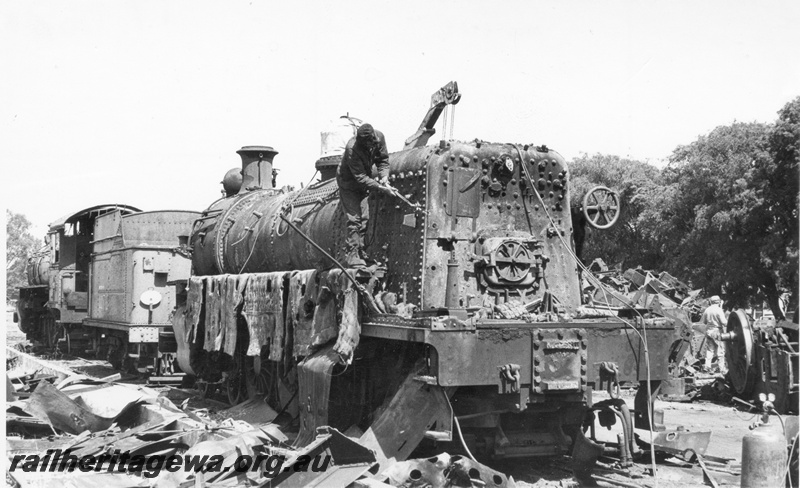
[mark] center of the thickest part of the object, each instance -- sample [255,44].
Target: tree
[19,244]
[631,240]
[780,184]
[728,227]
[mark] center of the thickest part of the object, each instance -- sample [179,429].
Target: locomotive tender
[106,283]
[469,321]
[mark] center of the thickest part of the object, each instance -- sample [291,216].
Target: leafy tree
[630,241]
[19,244]
[727,226]
[780,184]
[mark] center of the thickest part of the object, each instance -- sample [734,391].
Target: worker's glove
[384,181]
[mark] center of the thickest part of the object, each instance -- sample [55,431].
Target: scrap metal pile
[646,292]
[69,429]
[762,353]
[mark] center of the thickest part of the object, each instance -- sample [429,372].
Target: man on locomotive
[355,179]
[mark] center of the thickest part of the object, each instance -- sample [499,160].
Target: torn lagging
[213,338]
[349,318]
[263,310]
[324,326]
[194,307]
[232,295]
[336,315]
[298,282]
[302,309]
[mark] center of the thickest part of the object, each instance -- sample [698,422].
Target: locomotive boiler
[468,326]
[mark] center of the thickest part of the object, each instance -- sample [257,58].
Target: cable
[781,419]
[789,461]
[452,120]
[258,224]
[461,438]
[444,121]
[642,337]
[290,205]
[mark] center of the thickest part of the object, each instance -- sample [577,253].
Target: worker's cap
[366,132]
[715,299]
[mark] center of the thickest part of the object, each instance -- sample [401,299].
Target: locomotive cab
[57,297]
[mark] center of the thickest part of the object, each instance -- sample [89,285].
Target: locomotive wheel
[52,330]
[234,383]
[739,353]
[117,354]
[259,379]
[601,207]
[205,389]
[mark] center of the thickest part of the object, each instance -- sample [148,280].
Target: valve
[601,207]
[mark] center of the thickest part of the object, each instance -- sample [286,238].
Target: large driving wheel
[739,353]
[601,207]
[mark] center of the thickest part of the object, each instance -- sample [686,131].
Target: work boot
[363,255]
[353,260]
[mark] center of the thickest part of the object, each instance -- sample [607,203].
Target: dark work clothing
[355,170]
[355,178]
[354,203]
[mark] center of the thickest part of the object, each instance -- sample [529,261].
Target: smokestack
[257,170]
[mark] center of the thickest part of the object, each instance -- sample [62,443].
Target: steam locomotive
[468,325]
[106,283]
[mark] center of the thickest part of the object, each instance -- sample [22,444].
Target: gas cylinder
[764,457]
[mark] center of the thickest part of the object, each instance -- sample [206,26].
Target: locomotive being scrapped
[106,282]
[470,318]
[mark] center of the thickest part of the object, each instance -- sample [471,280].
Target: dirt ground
[726,423]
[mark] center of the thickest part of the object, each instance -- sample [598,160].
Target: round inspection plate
[150,298]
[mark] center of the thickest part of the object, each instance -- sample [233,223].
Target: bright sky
[145,102]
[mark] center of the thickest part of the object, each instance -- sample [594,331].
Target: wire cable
[789,461]
[601,286]
[461,438]
[452,120]
[256,230]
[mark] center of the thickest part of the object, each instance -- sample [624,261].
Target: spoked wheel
[261,379]
[206,389]
[52,332]
[601,207]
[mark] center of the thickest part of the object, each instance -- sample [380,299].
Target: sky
[144,103]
